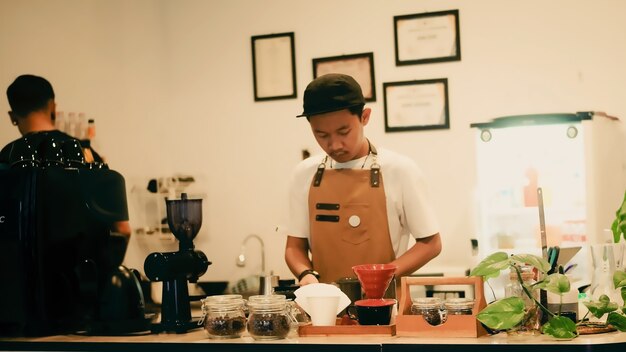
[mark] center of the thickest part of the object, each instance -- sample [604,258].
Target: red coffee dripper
[374,278]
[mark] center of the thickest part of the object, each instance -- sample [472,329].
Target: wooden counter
[198,341]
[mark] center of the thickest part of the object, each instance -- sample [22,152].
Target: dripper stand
[374,278]
[175,269]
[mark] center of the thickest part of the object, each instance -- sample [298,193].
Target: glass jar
[530,324]
[223,316]
[459,306]
[431,309]
[268,317]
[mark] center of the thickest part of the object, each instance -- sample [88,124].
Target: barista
[31,99]
[357,203]
[33,112]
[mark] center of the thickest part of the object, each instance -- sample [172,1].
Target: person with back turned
[33,109]
[356,204]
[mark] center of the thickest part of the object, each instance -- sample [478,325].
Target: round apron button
[354,221]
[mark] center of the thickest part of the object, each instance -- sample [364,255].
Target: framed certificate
[359,66]
[274,66]
[427,37]
[416,105]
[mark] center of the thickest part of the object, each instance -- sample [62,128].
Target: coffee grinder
[175,269]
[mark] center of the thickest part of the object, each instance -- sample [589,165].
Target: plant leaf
[617,320]
[531,259]
[491,266]
[614,229]
[619,224]
[555,283]
[619,278]
[601,307]
[623,292]
[502,314]
[560,327]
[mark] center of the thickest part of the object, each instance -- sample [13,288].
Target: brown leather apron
[348,219]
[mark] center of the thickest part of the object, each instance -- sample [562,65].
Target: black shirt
[35,138]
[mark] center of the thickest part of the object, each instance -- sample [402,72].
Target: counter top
[197,340]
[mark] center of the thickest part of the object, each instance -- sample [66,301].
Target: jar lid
[267,301]
[222,302]
[459,303]
[217,298]
[427,302]
[267,298]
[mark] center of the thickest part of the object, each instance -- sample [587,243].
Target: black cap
[331,92]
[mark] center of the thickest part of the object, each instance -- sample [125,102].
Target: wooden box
[455,326]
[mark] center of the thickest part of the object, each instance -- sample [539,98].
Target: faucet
[241,259]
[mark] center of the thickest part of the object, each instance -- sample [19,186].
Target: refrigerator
[577,159]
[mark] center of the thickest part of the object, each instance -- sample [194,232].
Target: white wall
[170,86]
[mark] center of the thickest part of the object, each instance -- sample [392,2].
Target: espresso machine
[176,269]
[60,264]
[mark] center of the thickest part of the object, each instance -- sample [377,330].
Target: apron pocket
[353,224]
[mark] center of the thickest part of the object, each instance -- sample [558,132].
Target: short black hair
[29,93]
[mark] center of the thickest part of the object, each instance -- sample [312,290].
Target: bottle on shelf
[81,127]
[91,129]
[59,121]
[70,127]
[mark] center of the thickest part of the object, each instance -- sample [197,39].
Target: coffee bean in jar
[224,316]
[268,317]
[431,309]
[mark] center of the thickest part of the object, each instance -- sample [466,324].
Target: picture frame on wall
[274,66]
[427,37]
[416,105]
[359,66]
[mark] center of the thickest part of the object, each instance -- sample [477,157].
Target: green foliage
[560,327]
[619,224]
[601,307]
[502,314]
[491,266]
[617,320]
[509,312]
[555,283]
[619,279]
[532,260]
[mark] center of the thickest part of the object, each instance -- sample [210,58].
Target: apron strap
[374,173]
[319,173]
[375,168]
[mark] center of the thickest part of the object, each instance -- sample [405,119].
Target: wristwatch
[307,272]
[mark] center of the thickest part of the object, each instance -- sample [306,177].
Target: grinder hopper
[184,218]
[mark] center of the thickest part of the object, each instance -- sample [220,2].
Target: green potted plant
[507,313]
[616,314]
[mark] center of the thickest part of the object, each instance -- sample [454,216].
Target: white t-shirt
[409,210]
